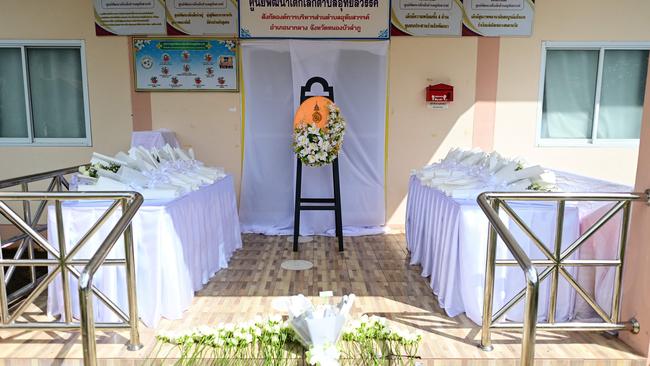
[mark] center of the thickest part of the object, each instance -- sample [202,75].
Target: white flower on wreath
[315,146]
[326,145]
[302,140]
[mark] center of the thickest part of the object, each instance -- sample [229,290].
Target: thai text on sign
[314,19]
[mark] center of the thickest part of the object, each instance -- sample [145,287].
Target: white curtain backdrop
[274,71]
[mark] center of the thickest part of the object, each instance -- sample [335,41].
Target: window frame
[594,141]
[30,140]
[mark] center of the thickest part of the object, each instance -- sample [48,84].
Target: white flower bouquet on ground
[371,341]
[315,334]
[319,328]
[317,147]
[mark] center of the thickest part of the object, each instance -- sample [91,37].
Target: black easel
[326,204]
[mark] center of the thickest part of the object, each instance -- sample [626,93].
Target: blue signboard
[182,64]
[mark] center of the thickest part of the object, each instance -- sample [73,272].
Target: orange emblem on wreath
[313,111]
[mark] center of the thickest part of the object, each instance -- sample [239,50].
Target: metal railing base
[488,348]
[134,347]
[636,326]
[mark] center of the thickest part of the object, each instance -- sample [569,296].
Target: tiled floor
[375,268]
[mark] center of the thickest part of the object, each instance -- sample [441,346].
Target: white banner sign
[367,19]
[428,17]
[127,17]
[496,18]
[202,17]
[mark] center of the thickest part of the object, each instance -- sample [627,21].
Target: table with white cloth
[448,237]
[179,245]
[155,138]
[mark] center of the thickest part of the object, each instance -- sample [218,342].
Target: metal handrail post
[27,213]
[557,252]
[616,296]
[87,321]
[4,304]
[86,279]
[65,278]
[129,255]
[488,290]
[530,319]
[486,203]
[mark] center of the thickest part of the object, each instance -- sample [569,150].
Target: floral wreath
[316,147]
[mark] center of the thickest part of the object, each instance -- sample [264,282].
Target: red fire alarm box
[440,93]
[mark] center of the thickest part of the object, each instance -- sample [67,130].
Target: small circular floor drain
[296,265]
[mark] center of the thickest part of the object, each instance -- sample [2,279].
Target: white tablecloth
[448,238]
[179,245]
[156,138]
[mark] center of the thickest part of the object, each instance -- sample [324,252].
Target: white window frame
[594,141]
[30,140]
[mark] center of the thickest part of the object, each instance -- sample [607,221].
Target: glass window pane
[56,92]
[13,115]
[623,88]
[569,94]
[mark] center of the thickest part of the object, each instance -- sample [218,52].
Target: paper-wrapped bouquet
[319,328]
[466,173]
[155,173]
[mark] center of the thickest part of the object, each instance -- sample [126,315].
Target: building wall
[519,81]
[108,80]
[211,122]
[636,276]
[418,135]
[208,122]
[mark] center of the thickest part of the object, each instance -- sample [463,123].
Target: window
[592,94]
[43,94]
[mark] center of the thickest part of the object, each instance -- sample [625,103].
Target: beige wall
[418,135]
[211,122]
[208,122]
[519,74]
[108,79]
[636,278]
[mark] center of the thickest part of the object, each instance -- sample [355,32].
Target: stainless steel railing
[23,243]
[555,263]
[61,261]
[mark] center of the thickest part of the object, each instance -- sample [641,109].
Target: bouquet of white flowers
[164,173]
[372,341]
[463,174]
[276,342]
[319,328]
[317,147]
